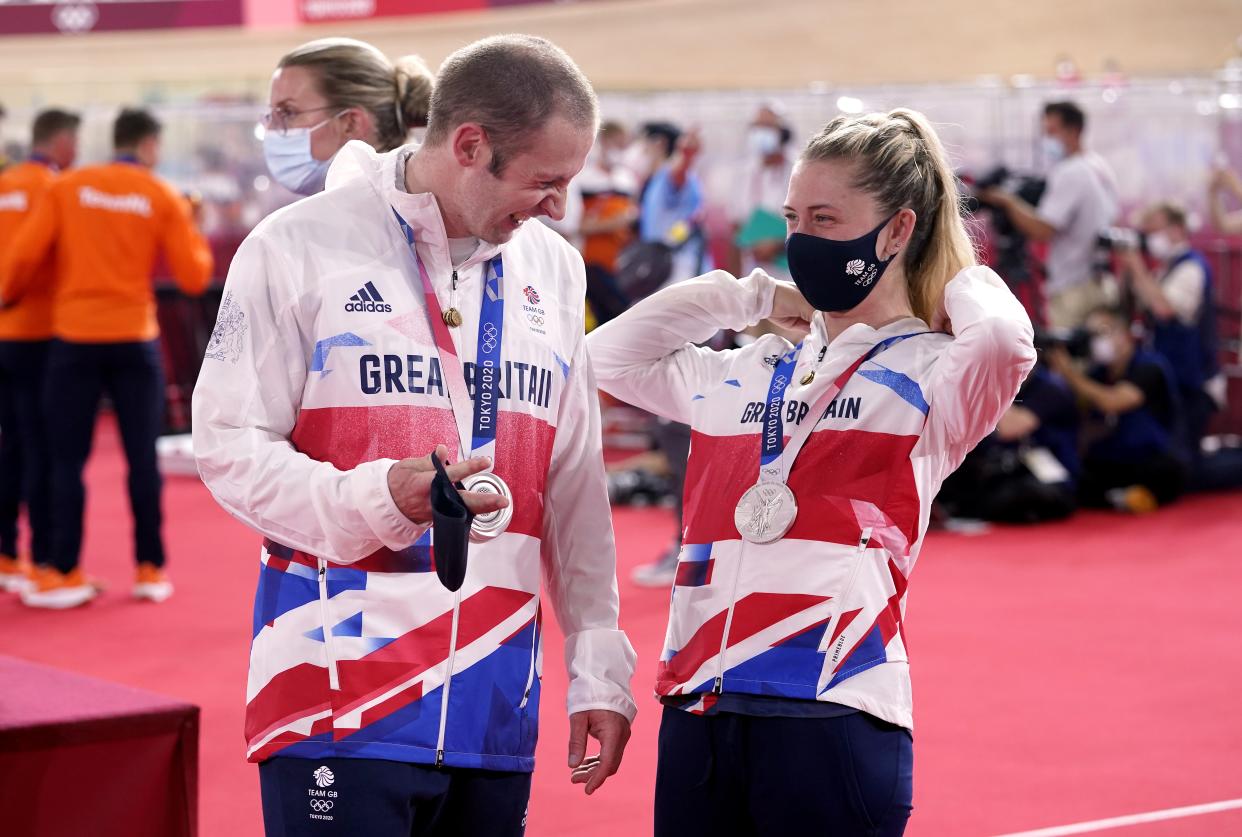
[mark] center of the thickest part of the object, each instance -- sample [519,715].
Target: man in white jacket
[362,329]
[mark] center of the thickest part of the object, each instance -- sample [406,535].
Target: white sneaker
[152,584]
[659,573]
[58,591]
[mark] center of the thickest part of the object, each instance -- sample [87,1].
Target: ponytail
[900,161]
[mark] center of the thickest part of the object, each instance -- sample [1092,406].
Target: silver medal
[488,526]
[765,512]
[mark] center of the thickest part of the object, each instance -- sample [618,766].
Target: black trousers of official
[24,477]
[731,775]
[379,798]
[132,376]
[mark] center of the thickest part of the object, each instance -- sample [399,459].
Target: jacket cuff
[369,483]
[600,662]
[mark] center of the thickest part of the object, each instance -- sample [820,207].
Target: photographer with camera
[1178,300]
[1135,459]
[1079,202]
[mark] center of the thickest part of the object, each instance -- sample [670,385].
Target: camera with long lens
[1075,341]
[1010,244]
[1115,239]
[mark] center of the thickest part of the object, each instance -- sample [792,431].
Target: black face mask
[836,275]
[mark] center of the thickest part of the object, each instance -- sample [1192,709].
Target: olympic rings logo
[323,806]
[781,380]
[535,319]
[489,338]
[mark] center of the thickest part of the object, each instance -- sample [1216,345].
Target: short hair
[350,73]
[51,122]
[1173,213]
[511,85]
[1070,114]
[612,130]
[666,132]
[1115,313]
[132,126]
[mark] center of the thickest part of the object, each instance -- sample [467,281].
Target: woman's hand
[940,318]
[790,310]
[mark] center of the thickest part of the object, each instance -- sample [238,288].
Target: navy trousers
[727,774]
[132,375]
[376,798]
[24,478]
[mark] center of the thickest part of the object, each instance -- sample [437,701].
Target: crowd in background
[1117,414]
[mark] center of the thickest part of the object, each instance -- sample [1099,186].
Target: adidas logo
[368,299]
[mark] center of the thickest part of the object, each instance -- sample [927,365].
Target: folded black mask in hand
[450,523]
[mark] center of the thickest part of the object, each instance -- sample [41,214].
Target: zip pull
[718,687]
[454,278]
[322,572]
[439,758]
[864,539]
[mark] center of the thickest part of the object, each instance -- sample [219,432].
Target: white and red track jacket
[819,614]
[321,373]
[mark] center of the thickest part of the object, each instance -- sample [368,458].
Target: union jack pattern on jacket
[818,615]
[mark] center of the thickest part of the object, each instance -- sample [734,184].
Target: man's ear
[470,145]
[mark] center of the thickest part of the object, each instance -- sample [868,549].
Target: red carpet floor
[1072,672]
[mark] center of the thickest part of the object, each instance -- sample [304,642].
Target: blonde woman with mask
[812,471]
[330,91]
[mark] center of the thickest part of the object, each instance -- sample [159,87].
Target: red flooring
[1071,672]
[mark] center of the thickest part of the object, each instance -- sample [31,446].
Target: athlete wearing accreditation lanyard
[812,471]
[412,308]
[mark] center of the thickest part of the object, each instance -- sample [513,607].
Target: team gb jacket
[818,615]
[321,373]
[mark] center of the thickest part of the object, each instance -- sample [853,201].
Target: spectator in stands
[106,224]
[25,335]
[759,212]
[1135,459]
[672,204]
[610,211]
[1179,300]
[1079,203]
[333,90]
[1027,471]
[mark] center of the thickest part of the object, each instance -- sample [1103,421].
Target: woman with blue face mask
[328,92]
[813,466]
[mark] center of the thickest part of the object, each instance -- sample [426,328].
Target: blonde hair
[899,160]
[352,73]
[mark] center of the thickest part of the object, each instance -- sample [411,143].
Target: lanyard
[777,456]
[480,439]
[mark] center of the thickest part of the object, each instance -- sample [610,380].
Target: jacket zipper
[333,679]
[724,639]
[863,540]
[534,650]
[448,680]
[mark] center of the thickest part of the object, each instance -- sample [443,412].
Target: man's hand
[790,310]
[612,731]
[409,483]
[1059,361]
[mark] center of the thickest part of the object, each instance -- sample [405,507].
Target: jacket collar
[861,336]
[385,174]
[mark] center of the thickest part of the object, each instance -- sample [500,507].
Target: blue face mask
[289,159]
[836,275]
[1054,149]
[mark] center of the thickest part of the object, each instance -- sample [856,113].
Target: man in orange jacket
[107,224]
[25,335]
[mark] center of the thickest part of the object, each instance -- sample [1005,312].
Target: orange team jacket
[21,187]
[107,223]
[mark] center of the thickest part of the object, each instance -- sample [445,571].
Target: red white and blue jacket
[321,373]
[818,615]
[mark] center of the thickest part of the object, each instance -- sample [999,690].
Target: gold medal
[808,377]
[452,318]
